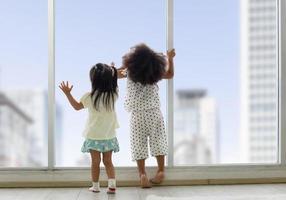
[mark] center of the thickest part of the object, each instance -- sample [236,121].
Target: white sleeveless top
[141,97]
[101,124]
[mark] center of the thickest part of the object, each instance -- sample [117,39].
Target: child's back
[141,97]
[101,123]
[144,69]
[99,133]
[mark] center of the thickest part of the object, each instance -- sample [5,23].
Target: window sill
[128,176]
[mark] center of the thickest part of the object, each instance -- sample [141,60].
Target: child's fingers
[71,87]
[63,84]
[61,88]
[171,53]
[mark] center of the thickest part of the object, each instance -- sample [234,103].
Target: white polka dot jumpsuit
[146,123]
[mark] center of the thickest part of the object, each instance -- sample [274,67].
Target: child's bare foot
[159,177]
[144,181]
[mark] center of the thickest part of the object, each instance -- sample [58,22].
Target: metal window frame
[51,84]
[170,83]
[282,78]
[191,172]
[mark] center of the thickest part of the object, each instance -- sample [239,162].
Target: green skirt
[100,145]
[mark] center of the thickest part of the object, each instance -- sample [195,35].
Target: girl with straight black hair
[100,131]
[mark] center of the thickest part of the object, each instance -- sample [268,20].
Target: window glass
[23,83]
[92,32]
[226,82]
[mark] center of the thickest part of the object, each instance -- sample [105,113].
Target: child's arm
[67,91]
[170,72]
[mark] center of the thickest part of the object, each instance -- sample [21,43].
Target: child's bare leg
[107,161]
[159,177]
[141,166]
[142,174]
[161,163]
[95,163]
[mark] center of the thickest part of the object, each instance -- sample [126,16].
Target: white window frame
[199,174]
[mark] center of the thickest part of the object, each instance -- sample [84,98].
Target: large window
[23,83]
[226,82]
[92,32]
[226,104]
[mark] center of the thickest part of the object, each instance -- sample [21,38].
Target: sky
[206,38]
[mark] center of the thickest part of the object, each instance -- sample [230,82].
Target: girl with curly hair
[144,69]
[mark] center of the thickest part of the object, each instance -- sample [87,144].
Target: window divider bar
[51,83]
[170,84]
[282,79]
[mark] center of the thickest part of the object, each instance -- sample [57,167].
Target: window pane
[226,82]
[23,83]
[92,32]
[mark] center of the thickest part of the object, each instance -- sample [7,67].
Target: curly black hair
[144,65]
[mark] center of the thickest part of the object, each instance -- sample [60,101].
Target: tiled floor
[212,192]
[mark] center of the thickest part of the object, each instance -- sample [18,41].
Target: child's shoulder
[85,96]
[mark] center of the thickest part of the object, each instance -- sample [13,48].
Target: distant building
[196,128]
[15,138]
[34,103]
[259,81]
[59,135]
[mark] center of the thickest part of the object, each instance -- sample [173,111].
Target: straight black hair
[103,85]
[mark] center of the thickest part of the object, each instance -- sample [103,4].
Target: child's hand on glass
[171,53]
[65,87]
